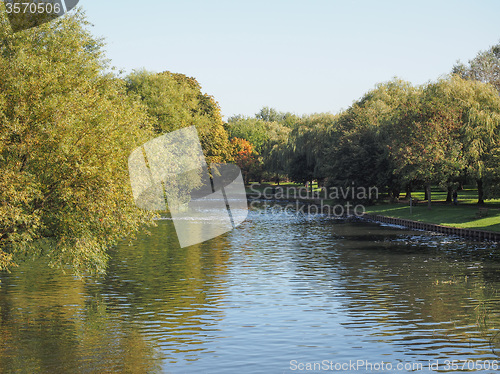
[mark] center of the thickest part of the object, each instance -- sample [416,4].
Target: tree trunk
[449,195]
[396,192]
[391,196]
[428,193]
[408,192]
[480,192]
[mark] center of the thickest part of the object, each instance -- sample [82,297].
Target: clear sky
[299,56]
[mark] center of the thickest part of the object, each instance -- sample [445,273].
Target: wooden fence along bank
[464,233]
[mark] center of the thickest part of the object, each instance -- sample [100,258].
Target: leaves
[175,101]
[66,130]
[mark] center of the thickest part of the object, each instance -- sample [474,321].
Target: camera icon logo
[171,170]
[26,14]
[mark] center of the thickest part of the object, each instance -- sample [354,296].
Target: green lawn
[463,215]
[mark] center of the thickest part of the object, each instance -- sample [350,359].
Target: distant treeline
[397,137]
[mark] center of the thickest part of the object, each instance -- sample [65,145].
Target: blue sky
[298,56]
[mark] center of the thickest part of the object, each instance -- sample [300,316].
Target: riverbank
[467,233]
[469,216]
[465,220]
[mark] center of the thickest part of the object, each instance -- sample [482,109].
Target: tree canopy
[485,67]
[66,130]
[175,101]
[397,136]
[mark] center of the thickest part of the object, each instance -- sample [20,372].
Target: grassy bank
[463,215]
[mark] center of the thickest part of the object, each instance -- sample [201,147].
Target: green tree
[176,101]
[359,143]
[306,147]
[425,143]
[485,67]
[452,129]
[269,138]
[66,130]
[479,106]
[272,115]
[251,129]
[274,151]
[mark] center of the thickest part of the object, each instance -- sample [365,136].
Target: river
[282,293]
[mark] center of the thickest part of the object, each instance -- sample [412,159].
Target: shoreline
[466,233]
[471,234]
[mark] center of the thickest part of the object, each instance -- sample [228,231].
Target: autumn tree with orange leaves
[245,157]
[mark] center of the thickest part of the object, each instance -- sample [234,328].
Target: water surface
[280,291]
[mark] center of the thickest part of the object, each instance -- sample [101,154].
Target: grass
[462,215]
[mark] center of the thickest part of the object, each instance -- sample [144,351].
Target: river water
[282,293]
